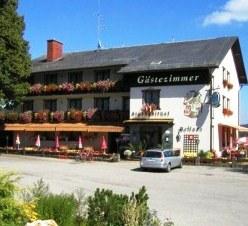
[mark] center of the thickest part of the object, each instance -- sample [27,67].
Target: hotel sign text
[152,115]
[168,78]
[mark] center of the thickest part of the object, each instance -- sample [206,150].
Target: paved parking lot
[192,196]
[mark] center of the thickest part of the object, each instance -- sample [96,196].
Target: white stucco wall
[172,98]
[232,94]
[171,101]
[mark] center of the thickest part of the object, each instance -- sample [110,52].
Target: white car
[164,159]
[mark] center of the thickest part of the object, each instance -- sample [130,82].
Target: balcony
[72,116]
[82,87]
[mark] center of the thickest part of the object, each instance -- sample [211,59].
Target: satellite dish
[215,99]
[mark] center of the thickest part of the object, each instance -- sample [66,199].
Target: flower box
[149,108]
[229,85]
[41,116]
[225,82]
[225,111]
[26,117]
[12,116]
[57,116]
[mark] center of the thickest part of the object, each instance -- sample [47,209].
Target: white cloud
[233,10]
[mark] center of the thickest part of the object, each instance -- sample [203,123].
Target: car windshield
[167,154]
[152,154]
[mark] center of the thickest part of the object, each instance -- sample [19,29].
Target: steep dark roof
[167,56]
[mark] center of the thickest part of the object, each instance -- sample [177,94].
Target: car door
[169,157]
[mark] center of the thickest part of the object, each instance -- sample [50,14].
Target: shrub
[10,210]
[39,189]
[62,208]
[105,208]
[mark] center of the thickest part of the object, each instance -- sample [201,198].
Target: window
[102,103]
[102,75]
[75,77]
[224,73]
[226,77]
[50,78]
[152,154]
[28,105]
[224,102]
[75,104]
[50,105]
[151,97]
[227,103]
[125,103]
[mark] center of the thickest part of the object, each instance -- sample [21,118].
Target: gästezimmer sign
[168,78]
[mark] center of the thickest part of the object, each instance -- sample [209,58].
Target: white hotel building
[179,95]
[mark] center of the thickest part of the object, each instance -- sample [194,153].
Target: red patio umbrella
[37,141]
[80,143]
[242,140]
[18,142]
[57,141]
[104,145]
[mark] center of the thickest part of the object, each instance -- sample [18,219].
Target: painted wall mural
[192,104]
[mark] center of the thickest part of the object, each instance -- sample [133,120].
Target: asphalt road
[191,196]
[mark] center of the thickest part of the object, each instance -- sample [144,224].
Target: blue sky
[134,22]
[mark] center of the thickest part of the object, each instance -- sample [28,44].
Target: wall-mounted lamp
[178,137]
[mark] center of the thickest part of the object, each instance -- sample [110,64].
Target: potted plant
[36,89]
[51,88]
[127,153]
[41,116]
[58,116]
[91,112]
[12,116]
[66,87]
[26,117]
[76,115]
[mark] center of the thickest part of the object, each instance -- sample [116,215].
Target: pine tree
[15,61]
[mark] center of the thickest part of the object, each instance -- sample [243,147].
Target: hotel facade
[175,95]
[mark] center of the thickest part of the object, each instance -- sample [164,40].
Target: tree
[15,61]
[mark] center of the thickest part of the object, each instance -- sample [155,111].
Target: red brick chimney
[54,50]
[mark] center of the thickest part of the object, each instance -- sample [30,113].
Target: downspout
[211,112]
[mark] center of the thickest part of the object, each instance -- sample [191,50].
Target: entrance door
[151,136]
[112,142]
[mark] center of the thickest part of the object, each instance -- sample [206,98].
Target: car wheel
[168,169]
[181,165]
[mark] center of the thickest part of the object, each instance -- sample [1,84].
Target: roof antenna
[99,26]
